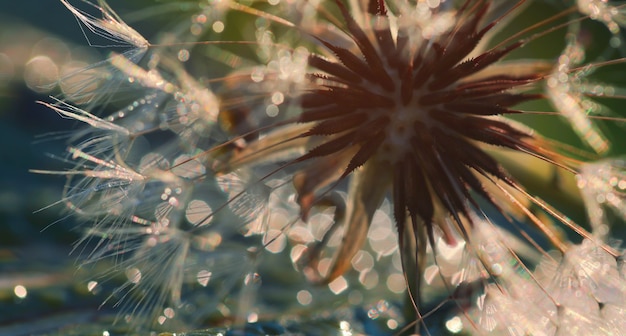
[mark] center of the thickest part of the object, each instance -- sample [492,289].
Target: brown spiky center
[422,110]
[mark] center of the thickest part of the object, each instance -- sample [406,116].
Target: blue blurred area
[33,248]
[25,123]
[31,133]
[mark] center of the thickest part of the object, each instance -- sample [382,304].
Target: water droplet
[183,55]
[218,26]
[304,297]
[20,291]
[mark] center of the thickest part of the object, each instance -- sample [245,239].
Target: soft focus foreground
[350,167]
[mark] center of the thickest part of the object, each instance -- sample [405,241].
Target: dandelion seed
[110,27]
[603,184]
[562,88]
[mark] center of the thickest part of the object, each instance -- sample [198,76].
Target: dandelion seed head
[391,109]
[347,135]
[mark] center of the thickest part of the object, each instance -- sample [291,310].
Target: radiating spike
[334,69]
[337,125]
[351,61]
[367,150]
[369,52]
